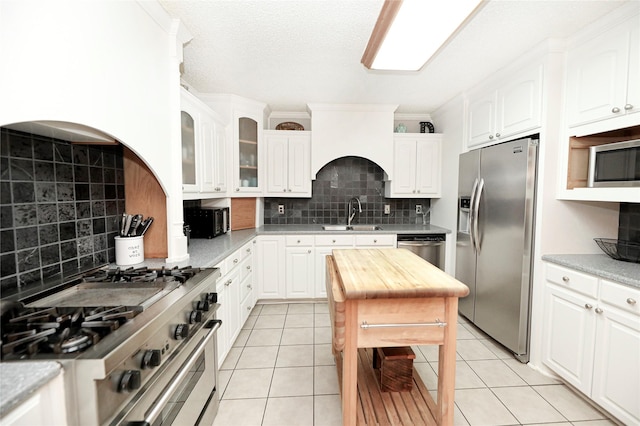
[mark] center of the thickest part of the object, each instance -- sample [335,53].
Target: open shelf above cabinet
[577,171]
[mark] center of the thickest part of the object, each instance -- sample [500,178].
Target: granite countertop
[599,265]
[205,253]
[19,380]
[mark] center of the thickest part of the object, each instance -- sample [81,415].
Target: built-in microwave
[615,164]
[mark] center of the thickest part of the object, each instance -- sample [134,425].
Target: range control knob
[203,305]
[129,381]
[212,297]
[195,316]
[151,358]
[181,332]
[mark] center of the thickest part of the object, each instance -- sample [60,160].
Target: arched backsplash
[335,184]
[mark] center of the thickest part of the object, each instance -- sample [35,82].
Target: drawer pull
[599,311]
[249,267]
[228,283]
[375,241]
[298,241]
[333,241]
[588,306]
[235,260]
[365,325]
[631,301]
[565,279]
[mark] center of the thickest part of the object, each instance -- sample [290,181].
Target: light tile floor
[281,372]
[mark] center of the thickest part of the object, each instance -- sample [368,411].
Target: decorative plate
[289,125]
[426,126]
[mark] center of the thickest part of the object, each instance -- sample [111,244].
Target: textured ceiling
[288,53]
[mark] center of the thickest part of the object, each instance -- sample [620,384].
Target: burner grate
[67,330]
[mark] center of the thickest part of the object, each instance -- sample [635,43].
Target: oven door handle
[159,404]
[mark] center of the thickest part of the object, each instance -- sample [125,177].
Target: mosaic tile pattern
[335,184]
[59,206]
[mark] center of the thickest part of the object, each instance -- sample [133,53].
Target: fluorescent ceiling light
[409,32]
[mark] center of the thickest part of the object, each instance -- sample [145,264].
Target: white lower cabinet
[592,338]
[228,289]
[236,296]
[299,266]
[293,266]
[270,267]
[46,406]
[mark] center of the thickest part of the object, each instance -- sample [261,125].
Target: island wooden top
[392,273]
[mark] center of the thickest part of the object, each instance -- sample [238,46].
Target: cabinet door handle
[628,107]
[309,251]
[599,311]
[615,110]
[298,241]
[237,189]
[588,306]
[375,241]
[249,267]
[249,286]
[631,301]
[333,241]
[497,135]
[565,279]
[235,260]
[228,283]
[418,191]
[490,136]
[249,250]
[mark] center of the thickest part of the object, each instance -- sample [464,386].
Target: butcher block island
[391,298]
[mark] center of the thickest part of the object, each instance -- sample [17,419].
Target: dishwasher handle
[419,243]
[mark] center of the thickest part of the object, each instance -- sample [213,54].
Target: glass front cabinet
[247,175]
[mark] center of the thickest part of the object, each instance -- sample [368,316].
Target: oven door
[185,393]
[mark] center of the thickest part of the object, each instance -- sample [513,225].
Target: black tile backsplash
[59,206]
[629,223]
[335,184]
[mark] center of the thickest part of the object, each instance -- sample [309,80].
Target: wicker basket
[620,250]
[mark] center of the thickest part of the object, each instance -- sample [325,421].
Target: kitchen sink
[351,228]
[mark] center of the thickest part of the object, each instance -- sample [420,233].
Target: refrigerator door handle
[476,211]
[471,213]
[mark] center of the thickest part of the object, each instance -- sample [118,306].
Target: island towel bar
[438,323]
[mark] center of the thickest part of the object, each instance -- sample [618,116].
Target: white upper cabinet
[288,165]
[203,150]
[247,163]
[416,166]
[496,114]
[603,77]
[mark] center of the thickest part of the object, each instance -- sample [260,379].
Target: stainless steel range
[137,346]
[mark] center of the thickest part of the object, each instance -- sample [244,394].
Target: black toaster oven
[207,222]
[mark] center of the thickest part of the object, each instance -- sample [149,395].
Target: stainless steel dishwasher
[430,247]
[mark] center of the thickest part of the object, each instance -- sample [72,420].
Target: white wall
[109,65]
[449,120]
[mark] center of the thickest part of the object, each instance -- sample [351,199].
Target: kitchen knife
[127,225]
[135,222]
[123,223]
[145,226]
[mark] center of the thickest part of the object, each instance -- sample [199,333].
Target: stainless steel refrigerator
[494,244]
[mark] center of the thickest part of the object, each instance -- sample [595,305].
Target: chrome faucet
[351,210]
